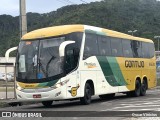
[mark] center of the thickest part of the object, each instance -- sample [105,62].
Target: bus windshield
[39,59]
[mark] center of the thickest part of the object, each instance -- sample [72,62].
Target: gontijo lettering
[134,64]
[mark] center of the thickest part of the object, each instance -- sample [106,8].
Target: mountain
[119,15]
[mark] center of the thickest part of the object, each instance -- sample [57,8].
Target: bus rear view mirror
[63,46]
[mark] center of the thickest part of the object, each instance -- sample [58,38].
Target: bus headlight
[18,87]
[60,84]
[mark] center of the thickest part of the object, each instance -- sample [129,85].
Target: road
[150,102]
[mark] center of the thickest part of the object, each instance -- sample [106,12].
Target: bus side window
[151,50]
[69,65]
[136,48]
[148,50]
[104,46]
[91,46]
[71,59]
[114,52]
[126,45]
[116,47]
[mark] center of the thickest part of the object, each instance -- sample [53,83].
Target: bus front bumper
[40,94]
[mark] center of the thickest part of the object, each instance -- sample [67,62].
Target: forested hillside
[119,15]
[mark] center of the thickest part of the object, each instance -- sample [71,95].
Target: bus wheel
[137,89]
[87,95]
[47,103]
[107,96]
[143,88]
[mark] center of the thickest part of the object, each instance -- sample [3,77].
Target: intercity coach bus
[78,61]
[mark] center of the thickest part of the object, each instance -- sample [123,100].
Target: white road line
[115,108]
[138,104]
[137,110]
[138,101]
[124,100]
[149,102]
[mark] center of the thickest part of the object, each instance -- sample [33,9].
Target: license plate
[37,96]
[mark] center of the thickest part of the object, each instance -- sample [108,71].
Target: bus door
[72,87]
[70,68]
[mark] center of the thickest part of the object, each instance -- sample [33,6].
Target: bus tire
[107,96]
[47,103]
[87,95]
[137,90]
[143,88]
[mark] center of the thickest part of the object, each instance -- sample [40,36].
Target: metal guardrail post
[15,97]
[5,65]
[6,81]
[7,58]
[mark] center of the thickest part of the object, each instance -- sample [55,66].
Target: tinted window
[70,60]
[145,50]
[151,50]
[136,48]
[127,51]
[116,47]
[104,46]
[72,51]
[91,47]
[77,37]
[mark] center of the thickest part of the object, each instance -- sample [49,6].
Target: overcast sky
[11,7]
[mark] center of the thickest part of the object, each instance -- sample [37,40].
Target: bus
[70,62]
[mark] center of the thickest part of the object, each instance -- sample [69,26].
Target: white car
[3,77]
[10,76]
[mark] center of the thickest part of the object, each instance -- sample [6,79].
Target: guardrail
[7,88]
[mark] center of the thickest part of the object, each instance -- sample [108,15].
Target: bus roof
[66,29]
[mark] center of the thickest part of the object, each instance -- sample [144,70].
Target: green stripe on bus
[111,71]
[116,70]
[101,33]
[96,32]
[107,71]
[47,84]
[90,31]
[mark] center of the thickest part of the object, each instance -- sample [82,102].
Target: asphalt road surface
[121,103]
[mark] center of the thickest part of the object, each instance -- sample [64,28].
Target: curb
[13,103]
[3,105]
[8,103]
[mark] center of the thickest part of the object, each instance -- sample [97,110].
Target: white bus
[79,61]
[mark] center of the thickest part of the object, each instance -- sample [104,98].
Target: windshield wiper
[47,66]
[41,67]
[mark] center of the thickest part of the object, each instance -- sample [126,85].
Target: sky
[11,7]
